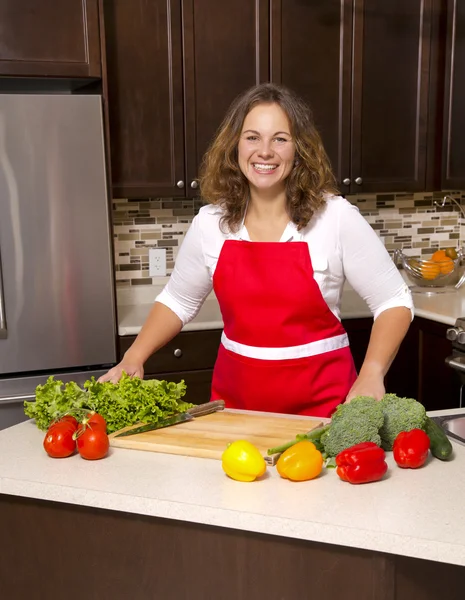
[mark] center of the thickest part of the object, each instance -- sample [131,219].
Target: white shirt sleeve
[368,266]
[190,282]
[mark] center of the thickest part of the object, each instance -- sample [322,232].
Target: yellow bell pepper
[300,462]
[242,461]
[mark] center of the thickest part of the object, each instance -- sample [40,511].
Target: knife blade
[189,415]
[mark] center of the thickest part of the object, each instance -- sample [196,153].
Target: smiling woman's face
[266,149]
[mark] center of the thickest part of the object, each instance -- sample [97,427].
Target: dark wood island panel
[52,550]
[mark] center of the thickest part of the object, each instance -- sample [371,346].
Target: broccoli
[358,421]
[400,414]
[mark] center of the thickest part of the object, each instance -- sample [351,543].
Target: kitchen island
[148,525]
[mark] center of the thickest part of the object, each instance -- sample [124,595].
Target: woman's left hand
[367,385]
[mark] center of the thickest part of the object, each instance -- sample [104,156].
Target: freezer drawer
[11,413]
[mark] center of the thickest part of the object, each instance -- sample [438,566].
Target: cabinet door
[143,42]
[198,383]
[225,52]
[311,54]
[439,383]
[390,94]
[50,38]
[453,173]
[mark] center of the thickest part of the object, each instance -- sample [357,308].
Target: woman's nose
[265,150]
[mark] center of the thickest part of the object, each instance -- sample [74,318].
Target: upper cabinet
[311,53]
[174,67]
[50,38]
[453,159]
[363,67]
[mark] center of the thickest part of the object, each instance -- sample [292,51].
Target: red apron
[282,349]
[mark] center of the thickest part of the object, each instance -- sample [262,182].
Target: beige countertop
[134,306]
[417,513]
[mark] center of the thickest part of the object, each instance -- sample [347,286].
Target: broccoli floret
[400,414]
[358,421]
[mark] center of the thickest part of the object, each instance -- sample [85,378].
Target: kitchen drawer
[188,351]
[198,383]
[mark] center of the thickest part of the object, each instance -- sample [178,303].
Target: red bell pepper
[362,463]
[411,448]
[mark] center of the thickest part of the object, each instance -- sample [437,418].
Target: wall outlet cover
[157,262]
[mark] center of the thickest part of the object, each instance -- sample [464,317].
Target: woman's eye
[251,138]
[281,140]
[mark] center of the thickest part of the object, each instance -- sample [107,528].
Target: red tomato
[67,419]
[95,421]
[59,442]
[92,444]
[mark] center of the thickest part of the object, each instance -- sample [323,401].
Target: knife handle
[207,408]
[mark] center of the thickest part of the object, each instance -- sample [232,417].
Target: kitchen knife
[196,411]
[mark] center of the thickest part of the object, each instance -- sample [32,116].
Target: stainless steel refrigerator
[57,313]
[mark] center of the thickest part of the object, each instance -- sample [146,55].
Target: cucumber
[440,445]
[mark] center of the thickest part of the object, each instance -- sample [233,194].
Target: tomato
[92,444]
[95,421]
[67,419]
[59,442]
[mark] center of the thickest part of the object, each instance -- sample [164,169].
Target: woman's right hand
[132,369]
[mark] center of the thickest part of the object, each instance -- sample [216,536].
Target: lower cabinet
[191,356]
[419,369]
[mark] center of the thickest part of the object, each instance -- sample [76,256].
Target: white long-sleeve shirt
[342,246]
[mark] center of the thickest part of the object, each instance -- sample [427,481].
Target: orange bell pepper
[300,462]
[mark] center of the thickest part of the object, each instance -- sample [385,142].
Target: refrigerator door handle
[3,329]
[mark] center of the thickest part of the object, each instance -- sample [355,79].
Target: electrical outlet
[157,262]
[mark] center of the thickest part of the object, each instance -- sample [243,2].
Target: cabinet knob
[359,181]
[180,183]
[178,352]
[346,181]
[194,184]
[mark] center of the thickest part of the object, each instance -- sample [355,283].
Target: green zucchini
[440,445]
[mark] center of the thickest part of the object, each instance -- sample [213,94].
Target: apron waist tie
[303,351]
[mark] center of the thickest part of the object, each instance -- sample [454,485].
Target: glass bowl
[428,273]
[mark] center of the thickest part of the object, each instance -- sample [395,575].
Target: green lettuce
[131,400]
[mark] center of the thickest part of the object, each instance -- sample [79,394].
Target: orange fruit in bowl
[430,269]
[439,256]
[446,266]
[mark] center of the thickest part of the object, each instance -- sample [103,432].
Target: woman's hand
[133,369]
[369,385]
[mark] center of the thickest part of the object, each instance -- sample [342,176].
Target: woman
[276,244]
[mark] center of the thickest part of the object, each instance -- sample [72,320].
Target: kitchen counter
[144,525]
[134,307]
[415,513]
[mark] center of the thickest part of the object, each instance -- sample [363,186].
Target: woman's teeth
[262,168]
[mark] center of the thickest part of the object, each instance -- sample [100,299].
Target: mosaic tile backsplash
[415,223]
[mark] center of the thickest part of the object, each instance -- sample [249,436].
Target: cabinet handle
[359,181]
[180,183]
[3,329]
[346,181]
[178,352]
[194,184]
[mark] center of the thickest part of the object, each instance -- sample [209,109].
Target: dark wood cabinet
[363,65]
[419,370]
[392,43]
[50,38]
[311,53]
[145,104]
[191,356]
[174,67]
[453,158]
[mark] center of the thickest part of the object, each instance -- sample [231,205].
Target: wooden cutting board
[208,436]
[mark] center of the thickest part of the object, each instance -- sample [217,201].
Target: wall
[411,222]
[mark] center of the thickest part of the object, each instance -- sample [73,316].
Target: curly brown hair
[223,183]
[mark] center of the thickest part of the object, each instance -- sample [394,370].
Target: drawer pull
[178,352]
